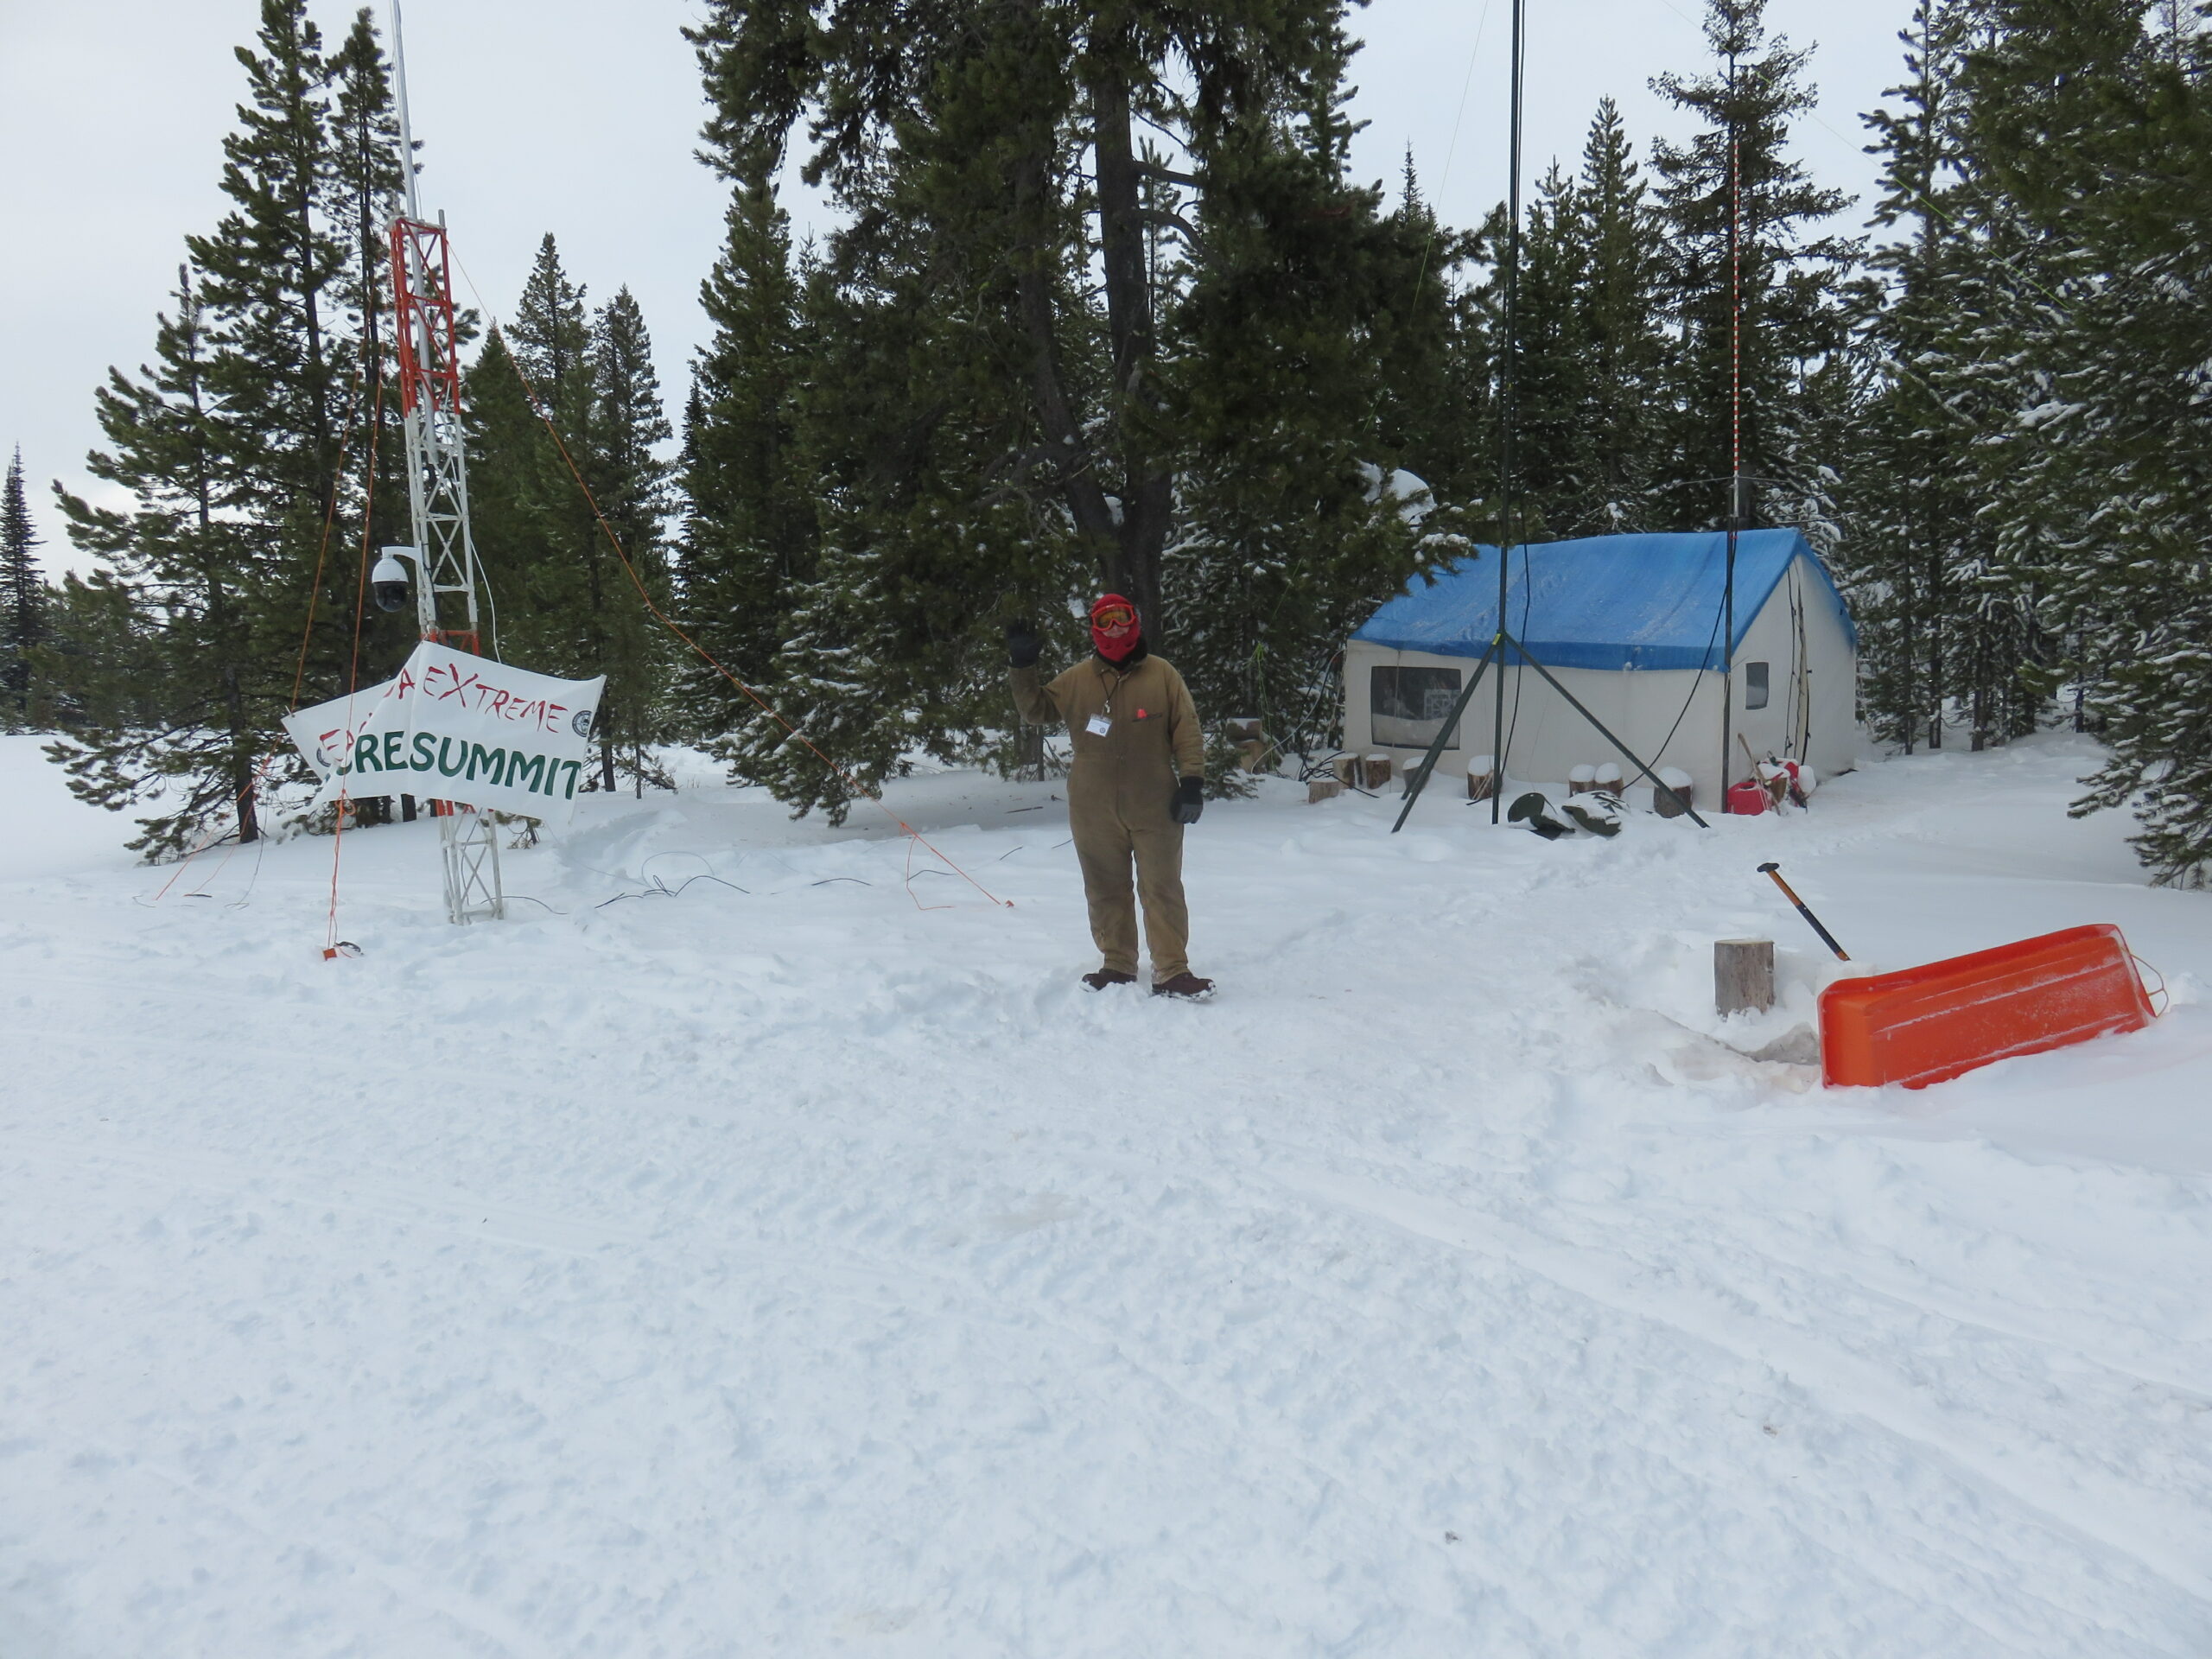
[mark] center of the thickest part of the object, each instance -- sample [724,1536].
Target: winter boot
[1185,984]
[1596,810]
[1535,810]
[1105,976]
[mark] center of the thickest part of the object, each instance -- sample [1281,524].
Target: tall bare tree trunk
[1147,493]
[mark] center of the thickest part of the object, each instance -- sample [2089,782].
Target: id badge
[1100,725]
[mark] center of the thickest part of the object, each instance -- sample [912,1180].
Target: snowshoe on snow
[1099,980]
[1597,812]
[1186,985]
[1535,810]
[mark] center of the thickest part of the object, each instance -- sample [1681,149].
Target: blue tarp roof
[1605,601]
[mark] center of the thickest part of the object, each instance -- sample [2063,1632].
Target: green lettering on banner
[394,760]
[574,767]
[425,746]
[528,774]
[454,769]
[364,756]
[494,761]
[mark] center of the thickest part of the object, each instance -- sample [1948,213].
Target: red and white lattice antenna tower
[429,399]
[446,574]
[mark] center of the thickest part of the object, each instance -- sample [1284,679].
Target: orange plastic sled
[1928,1024]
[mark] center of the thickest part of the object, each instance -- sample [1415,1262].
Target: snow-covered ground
[802,1271]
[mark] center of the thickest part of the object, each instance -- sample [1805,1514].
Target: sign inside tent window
[1410,705]
[1755,686]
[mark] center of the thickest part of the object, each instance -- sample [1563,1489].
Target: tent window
[1754,685]
[1408,705]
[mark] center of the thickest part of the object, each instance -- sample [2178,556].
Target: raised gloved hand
[1188,803]
[1023,647]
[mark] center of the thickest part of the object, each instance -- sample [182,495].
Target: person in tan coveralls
[1138,775]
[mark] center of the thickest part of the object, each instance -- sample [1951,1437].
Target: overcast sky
[579,116]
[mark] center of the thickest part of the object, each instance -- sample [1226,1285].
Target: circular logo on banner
[581,722]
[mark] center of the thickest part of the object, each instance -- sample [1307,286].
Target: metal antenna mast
[1740,516]
[444,552]
[1512,415]
[430,397]
[1502,639]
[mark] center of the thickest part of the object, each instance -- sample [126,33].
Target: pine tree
[2095,137]
[1613,450]
[235,448]
[629,483]
[1551,394]
[1944,625]
[1302,296]
[101,664]
[364,193]
[185,568]
[570,606]
[1019,378]
[750,531]
[533,531]
[22,596]
[1793,323]
[1434,411]
[504,438]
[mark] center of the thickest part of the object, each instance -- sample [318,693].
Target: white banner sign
[325,732]
[455,726]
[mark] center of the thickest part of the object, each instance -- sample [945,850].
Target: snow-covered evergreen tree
[1945,630]
[569,607]
[750,527]
[2094,130]
[235,447]
[1020,382]
[630,481]
[1433,381]
[1280,343]
[1552,382]
[1614,454]
[23,595]
[1793,323]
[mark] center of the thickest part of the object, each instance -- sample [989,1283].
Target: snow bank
[799,1270]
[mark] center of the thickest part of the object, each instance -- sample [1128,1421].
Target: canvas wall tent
[1632,625]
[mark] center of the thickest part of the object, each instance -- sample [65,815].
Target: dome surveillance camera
[388,582]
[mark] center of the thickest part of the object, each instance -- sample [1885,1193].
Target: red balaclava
[1114,627]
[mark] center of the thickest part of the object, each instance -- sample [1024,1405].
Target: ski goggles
[1114,619]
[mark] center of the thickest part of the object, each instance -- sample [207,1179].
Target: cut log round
[1743,976]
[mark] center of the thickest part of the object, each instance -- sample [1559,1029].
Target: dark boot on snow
[1185,984]
[1105,976]
[1599,811]
[1535,810]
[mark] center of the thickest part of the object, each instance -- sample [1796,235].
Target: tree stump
[1251,742]
[1323,789]
[1743,976]
[1481,777]
[1377,770]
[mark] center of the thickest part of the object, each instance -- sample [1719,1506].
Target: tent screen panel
[1408,706]
[1755,685]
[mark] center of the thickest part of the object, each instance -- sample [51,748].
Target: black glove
[1023,647]
[1187,804]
